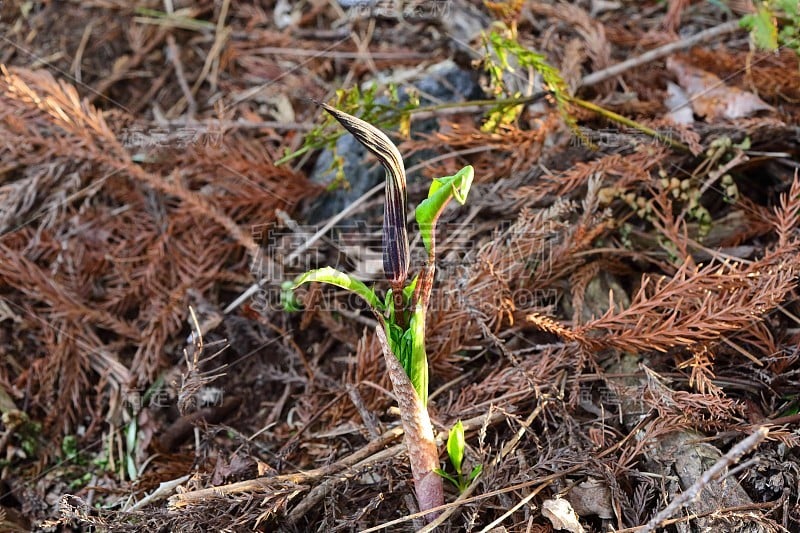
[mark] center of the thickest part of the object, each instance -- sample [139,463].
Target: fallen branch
[264,483]
[373,452]
[657,53]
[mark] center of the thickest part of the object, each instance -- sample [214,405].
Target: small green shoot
[406,335]
[455,451]
[69,448]
[365,103]
[505,47]
[440,192]
[401,314]
[775,23]
[131,439]
[332,276]
[289,301]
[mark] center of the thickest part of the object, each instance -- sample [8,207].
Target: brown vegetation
[613,313]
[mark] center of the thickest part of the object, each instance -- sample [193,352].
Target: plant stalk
[419,437]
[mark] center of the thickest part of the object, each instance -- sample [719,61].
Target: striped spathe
[395,236]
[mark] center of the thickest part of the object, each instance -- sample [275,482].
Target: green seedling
[774,24]
[402,312]
[69,448]
[395,112]
[455,450]
[498,65]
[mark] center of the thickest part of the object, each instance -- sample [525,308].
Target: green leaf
[455,446]
[790,7]
[388,303]
[417,369]
[400,342]
[765,31]
[408,290]
[447,476]
[130,449]
[440,192]
[69,447]
[409,348]
[288,300]
[335,277]
[475,473]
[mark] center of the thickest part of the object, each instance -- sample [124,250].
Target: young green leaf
[335,277]
[455,446]
[395,235]
[388,303]
[765,31]
[475,473]
[409,289]
[455,451]
[288,300]
[400,341]
[409,347]
[417,369]
[448,477]
[440,192]
[408,292]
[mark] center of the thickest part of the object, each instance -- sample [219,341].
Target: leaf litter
[612,316]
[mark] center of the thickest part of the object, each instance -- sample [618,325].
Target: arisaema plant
[401,313]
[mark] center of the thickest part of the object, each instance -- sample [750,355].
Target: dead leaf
[592,497]
[561,515]
[710,97]
[679,105]
[239,467]
[285,16]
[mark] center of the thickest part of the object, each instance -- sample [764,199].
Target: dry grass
[582,324]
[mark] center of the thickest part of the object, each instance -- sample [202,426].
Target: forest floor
[615,316]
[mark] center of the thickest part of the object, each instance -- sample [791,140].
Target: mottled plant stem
[419,438]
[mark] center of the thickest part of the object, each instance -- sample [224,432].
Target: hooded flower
[395,235]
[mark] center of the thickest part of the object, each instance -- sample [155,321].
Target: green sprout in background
[775,23]
[401,314]
[500,47]
[455,451]
[367,103]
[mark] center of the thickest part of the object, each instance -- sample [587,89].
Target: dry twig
[693,492]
